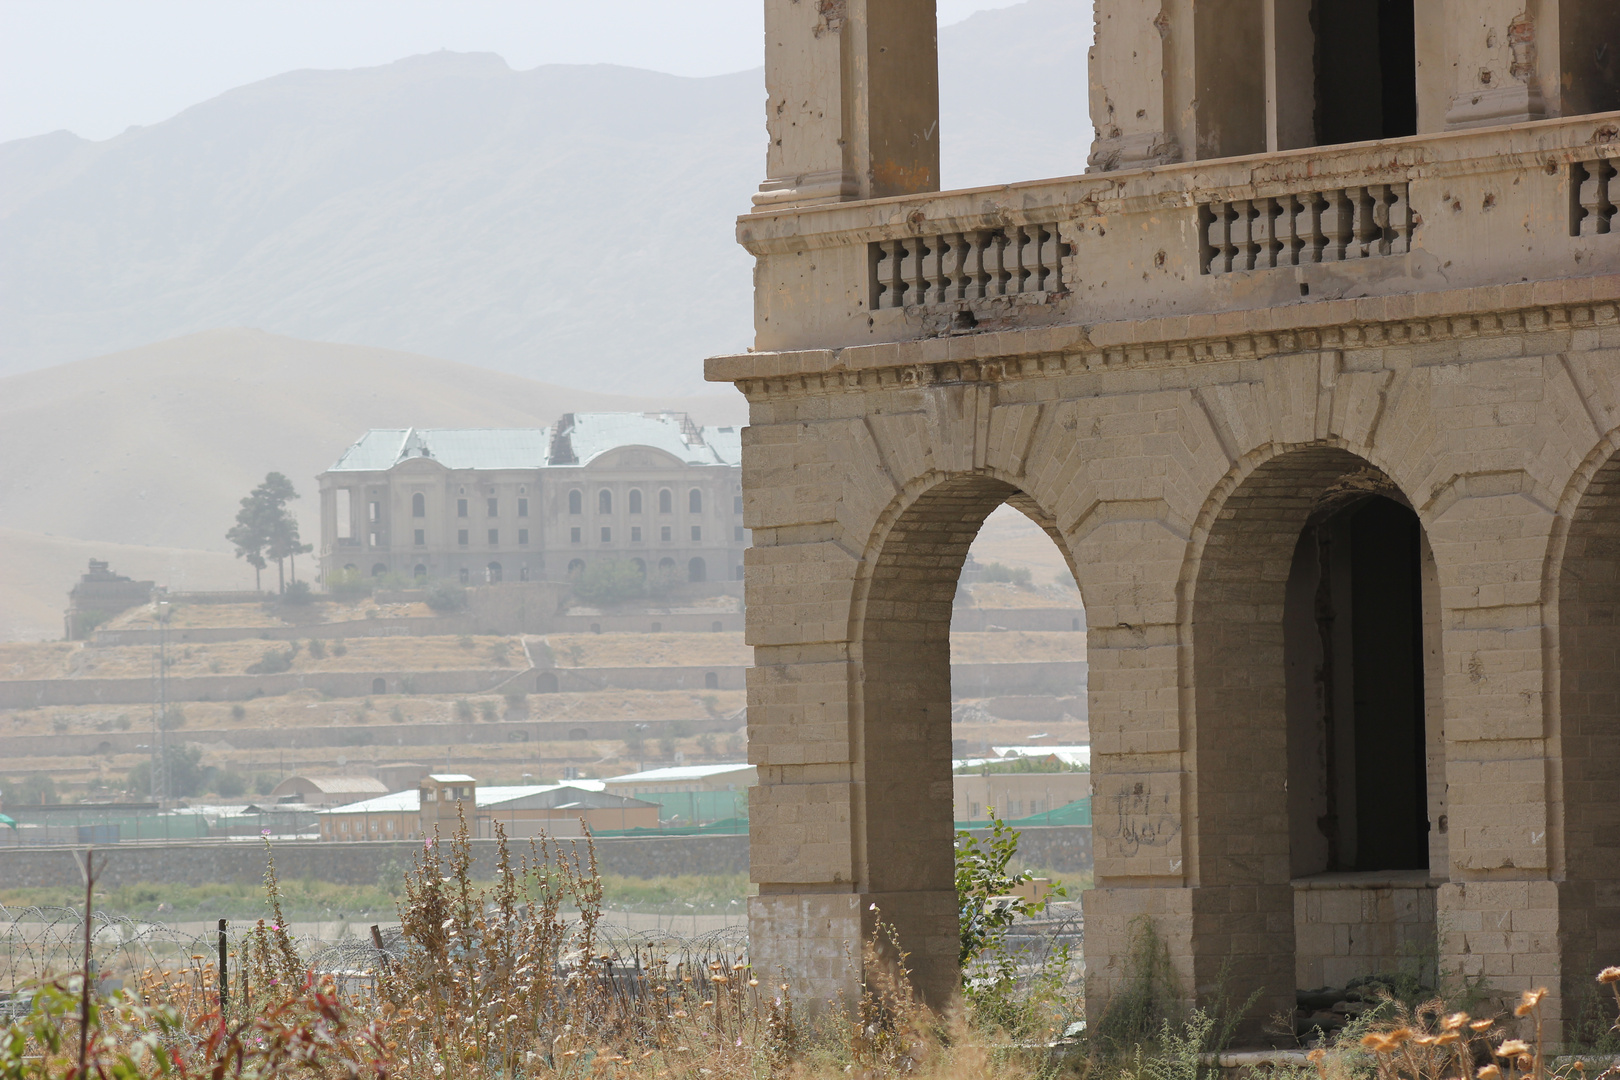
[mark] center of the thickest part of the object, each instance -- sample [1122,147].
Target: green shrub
[348,585]
[317,648]
[486,709]
[446,596]
[274,661]
[298,594]
[464,709]
[230,785]
[340,647]
[611,581]
[1007,575]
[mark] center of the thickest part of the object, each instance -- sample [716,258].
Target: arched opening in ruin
[1589,731]
[1318,769]
[905,810]
[545,683]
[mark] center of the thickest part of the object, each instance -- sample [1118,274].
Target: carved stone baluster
[1219,238]
[1288,240]
[978,266]
[1308,227]
[877,262]
[1265,233]
[1034,238]
[995,263]
[1242,216]
[1400,220]
[950,267]
[936,273]
[918,293]
[1337,220]
[1367,231]
[1597,209]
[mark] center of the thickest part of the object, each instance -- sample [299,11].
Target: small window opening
[418,505]
[576,502]
[604,501]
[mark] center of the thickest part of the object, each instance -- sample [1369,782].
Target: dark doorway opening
[1357,745]
[1366,70]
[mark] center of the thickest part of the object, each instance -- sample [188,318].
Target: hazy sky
[96,67]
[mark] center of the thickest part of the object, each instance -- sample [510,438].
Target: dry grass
[360,655]
[37,659]
[649,650]
[497,981]
[995,594]
[308,709]
[1017,646]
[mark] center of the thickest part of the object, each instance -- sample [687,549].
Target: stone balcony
[1304,238]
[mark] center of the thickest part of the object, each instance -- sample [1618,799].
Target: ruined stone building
[1314,378]
[537,504]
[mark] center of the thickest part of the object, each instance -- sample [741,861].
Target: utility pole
[160,716]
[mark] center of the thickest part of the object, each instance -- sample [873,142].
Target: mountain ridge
[567,222]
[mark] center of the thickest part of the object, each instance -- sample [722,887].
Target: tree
[265,530]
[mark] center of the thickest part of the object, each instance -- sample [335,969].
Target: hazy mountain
[141,456]
[571,223]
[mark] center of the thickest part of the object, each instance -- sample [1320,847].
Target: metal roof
[578,439]
[381,449]
[678,772]
[594,434]
[409,802]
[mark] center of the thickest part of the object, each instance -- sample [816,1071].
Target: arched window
[420,572]
[694,501]
[492,572]
[379,570]
[697,571]
[576,567]
[419,505]
[604,501]
[666,501]
[641,566]
[350,568]
[576,502]
[666,563]
[635,500]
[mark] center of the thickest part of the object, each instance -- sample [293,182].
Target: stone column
[1128,72]
[1498,913]
[853,100]
[1495,63]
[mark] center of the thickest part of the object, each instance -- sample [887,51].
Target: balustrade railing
[1592,183]
[964,266]
[1361,222]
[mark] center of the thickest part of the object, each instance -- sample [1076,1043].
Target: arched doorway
[1588,585]
[420,572]
[697,570]
[492,573]
[576,567]
[1315,647]
[379,569]
[904,824]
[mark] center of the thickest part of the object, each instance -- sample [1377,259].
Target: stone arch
[379,569]
[1583,583]
[545,682]
[1308,561]
[420,572]
[900,638]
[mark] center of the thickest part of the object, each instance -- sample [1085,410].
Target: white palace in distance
[533,504]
